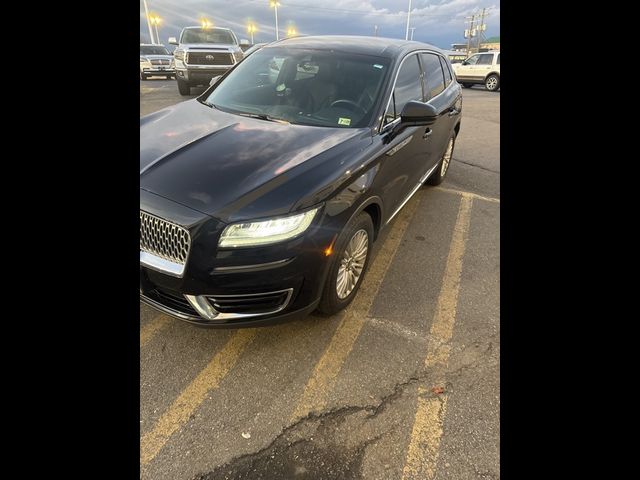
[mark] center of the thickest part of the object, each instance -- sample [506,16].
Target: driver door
[465,70]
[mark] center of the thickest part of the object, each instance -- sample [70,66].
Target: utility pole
[470,31]
[375,29]
[146,13]
[482,28]
[406,36]
[412,30]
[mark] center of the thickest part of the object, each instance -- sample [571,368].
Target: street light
[406,37]
[206,23]
[146,13]
[275,4]
[155,21]
[251,28]
[291,32]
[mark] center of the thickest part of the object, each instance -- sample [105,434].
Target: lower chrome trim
[258,266]
[203,305]
[167,310]
[415,189]
[161,265]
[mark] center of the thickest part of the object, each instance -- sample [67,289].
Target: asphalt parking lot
[403,384]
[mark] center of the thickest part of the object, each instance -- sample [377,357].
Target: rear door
[447,101]
[483,67]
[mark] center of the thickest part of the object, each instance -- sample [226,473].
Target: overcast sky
[439,22]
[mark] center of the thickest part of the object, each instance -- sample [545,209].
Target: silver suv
[155,60]
[204,53]
[479,69]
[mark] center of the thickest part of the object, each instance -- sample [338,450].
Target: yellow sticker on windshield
[344,121]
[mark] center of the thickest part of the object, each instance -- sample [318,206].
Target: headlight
[144,59]
[179,54]
[266,231]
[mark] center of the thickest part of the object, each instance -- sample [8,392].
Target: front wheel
[492,83]
[142,76]
[349,265]
[183,87]
[437,177]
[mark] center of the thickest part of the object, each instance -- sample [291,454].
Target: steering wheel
[353,105]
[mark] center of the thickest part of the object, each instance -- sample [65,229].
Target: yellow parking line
[151,328]
[422,454]
[324,376]
[469,194]
[193,395]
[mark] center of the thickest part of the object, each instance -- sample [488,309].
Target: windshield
[199,35]
[153,50]
[305,87]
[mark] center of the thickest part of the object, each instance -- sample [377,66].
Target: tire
[183,87]
[142,76]
[437,177]
[331,302]
[467,85]
[169,77]
[492,83]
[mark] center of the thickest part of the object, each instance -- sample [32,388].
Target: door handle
[427,133]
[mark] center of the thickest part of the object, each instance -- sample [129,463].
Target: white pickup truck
[204,53]
[479,69]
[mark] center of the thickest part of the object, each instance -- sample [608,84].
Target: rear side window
[485,59]
[433,75]
[447,72]
[408,87]
[498,60]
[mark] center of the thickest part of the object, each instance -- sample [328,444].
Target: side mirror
[415,114]
[215,79]
[244,42]
[464,62]
[173,41]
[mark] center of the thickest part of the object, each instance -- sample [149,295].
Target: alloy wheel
[352,264]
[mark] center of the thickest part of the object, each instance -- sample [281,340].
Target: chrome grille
[160,61]
[164,239]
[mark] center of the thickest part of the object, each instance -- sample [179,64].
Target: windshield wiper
[262,116]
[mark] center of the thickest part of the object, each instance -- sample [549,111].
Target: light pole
[406,36]
[412,30]
[146,12]
[155,20]
[251,28]
[274,4]
[375,29]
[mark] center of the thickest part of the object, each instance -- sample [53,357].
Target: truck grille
[215,58]
[160,61]
[164,239]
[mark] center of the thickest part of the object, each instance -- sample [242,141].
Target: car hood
[209,46]
[236,168]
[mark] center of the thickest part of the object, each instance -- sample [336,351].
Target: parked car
[155,60]
[260,201]
[204,53]
[479,69]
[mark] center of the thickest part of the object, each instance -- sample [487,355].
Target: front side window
[408,87]
[498,60]
[472,60]
[202,35]
[485,59]
[433,76]
[304,86]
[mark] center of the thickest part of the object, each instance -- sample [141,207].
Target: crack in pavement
[476,166]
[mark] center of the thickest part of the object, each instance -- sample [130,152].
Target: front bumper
[201,75]
[158,70]
[239,287]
